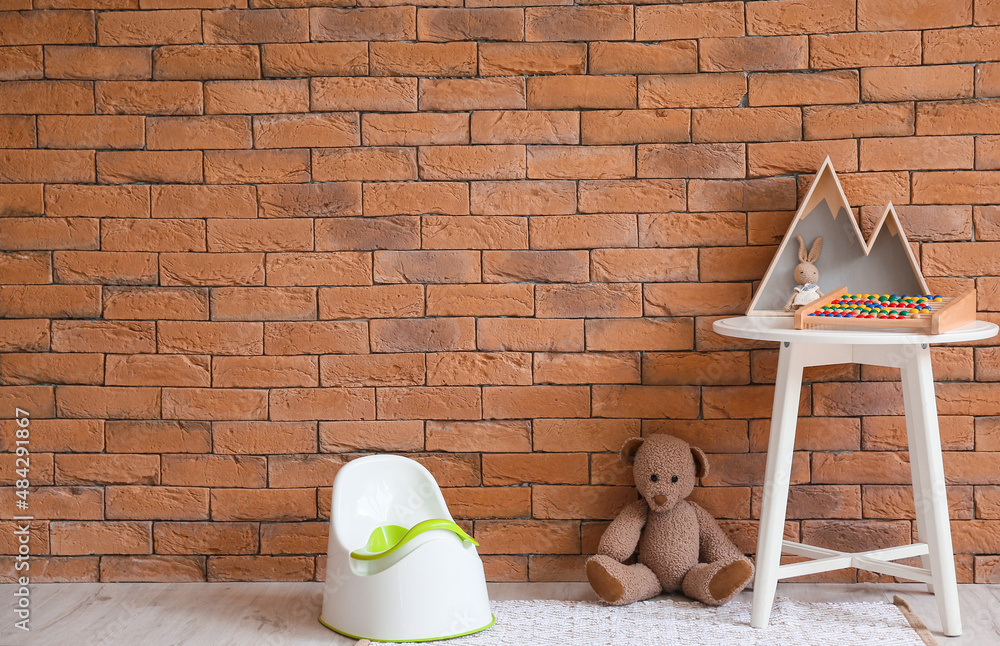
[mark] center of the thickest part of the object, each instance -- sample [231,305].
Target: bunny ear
[803,256]
[816,248]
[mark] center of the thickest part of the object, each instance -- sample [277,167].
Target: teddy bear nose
[659,500]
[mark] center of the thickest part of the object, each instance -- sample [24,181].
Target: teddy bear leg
[716,583]
[620,584]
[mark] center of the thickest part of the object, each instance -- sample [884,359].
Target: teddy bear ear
[700,462]
[629,449]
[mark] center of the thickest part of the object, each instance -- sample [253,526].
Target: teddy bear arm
[714,543]
[622,536]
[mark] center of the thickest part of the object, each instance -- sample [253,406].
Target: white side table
[820,347]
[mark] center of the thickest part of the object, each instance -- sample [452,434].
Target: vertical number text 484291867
[22,464]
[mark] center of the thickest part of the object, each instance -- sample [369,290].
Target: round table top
[782,328]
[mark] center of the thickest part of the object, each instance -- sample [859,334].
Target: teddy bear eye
[654,477]
[674,479]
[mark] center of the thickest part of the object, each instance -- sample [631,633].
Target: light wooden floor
[284,614]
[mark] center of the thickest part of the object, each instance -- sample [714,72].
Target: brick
[987,80]
[114,63]
[214,404]
[493,502]
[264,437]
[67,503]
[364,23]
[583,231]
[205,62]
[582,435]
[578,23]
[289,471]
[261,568]
[141,569]
[52,369]
[472,162]
[20,200]
[179,133]
[576,92]
[402,435]
[26,268]
[692,90]
[476,368]
[864,50]
[444,198]
[671,402]
[684,368]
[315,59]
[214,471]
[269,303]
[209,337]
[183,303]
[958,118]
[470,24]
[265,372]
[586,368]
[156,503]
[919,153]
[765,194]
[670,57]
[635,126]
[47,28]
[988,153]
[987,221]
[864,120]
[66,200]
[392,232]
[752,54]
[263,504]
[418,129]
[52,301]
[148,28]
[108,469]
[105,267]
[366,94]
[379,301]
[315,337]
[722,264]
[476,232]
[689,21]
[588,502]
[305,538]
[174,166]
[255,97]
[149,97]
[24,335]
[969,187]
[430,402]
[519,469]
[158,370]
[423,59]
[695,299]
[917,83]
[364,164]
[774,17]
[880,15]
[101,537]
[855,535]
[473,94]
[211,269]
[64,131]
[422,335]
[640,195]
[987,12]
[373,370]
[51,166]
[692,160]
[782,158]
[639,334]
[256,166]
[49,233]
[727,402]
[692,229]
[195,201]
[746,124]
[523,198]
[99,336]
[309,200]
[152,235]
[643,265]
[528,536]
[318,269]
[256,26]
[805,89]
[426,266]
[552,335]
[480,300]
[889,433]
[322,403]
[21,63]
[537,266]
[507,59]
[17,131]
[570,162]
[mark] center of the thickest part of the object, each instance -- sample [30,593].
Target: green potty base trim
[408,641]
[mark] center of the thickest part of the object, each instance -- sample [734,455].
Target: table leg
[784,416]
[929,494]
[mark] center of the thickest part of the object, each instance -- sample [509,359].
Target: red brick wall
[243,245]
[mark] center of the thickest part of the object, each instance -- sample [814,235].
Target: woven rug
[678,621]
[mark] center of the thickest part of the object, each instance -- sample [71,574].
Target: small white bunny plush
[806,275]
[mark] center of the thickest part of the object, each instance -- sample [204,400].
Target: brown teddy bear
[681,547]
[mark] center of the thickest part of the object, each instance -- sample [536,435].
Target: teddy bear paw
[729,580]
[607,587]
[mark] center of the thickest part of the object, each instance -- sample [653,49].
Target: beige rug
[678,621]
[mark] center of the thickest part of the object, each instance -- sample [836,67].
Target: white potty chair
[399,569]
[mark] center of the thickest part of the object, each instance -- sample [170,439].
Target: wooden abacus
[926,313]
